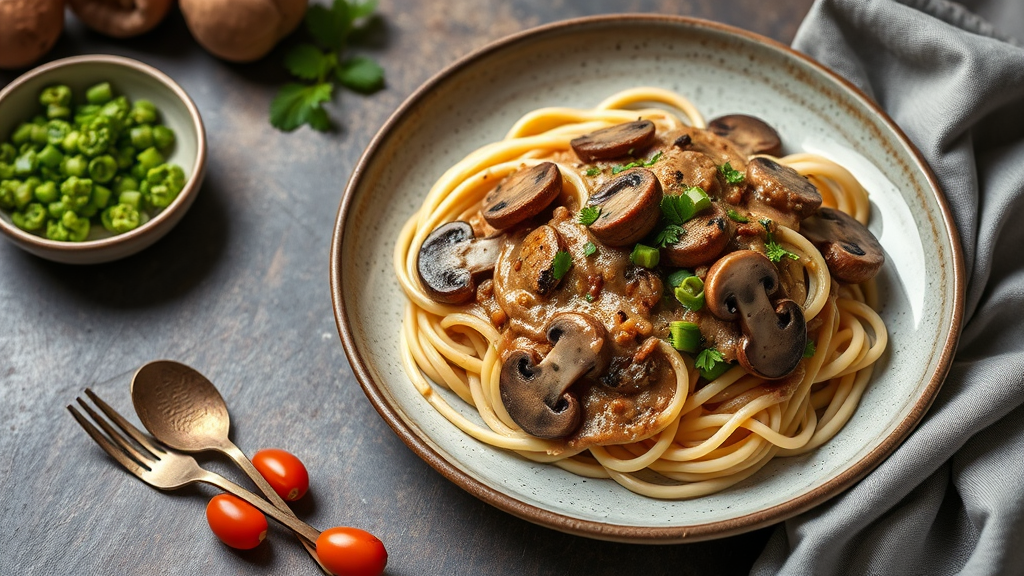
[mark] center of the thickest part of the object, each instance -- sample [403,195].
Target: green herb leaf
[297,104]
[623,168]
[653,159]
[708,358]
[775,252]
[309,62]
[731,176]
[636,163]
[737,217]
[361,74]
[810,349]
[676,209]
[593,171]
[329,26]
[670,234]
[589,297]
[589,249]
[561,264]
[589,214]
[362,9]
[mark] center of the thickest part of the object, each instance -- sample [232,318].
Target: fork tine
[125,425]
[120,440]
[107,446]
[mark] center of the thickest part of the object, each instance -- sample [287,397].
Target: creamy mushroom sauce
[623,404]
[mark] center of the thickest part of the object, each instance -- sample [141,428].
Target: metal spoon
[183,409]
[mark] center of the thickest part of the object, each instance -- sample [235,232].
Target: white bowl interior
[22,103]
[722,73]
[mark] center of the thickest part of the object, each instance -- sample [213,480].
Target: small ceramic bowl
[19,102]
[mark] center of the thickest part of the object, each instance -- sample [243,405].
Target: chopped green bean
[27,163]
[102,168]
[47,192]
[75,192]
[150,158]
[75,166]
[163,184]
[58,95]
[125,184]
[32,218]
[120,218]
[26,192]
[50,156]
[142,136]
[163,137]
[99,94]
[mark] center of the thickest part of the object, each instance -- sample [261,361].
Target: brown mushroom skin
[536,395]
[678,168]
[121,19]
[28,30]
[738,288]
[522,195]
[451,259]
[614,142]
[535,266]
[852,252]
[749,133]
[241,30]
[630,206]
[705,237]
[783,189]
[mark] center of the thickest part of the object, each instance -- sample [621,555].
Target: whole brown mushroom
[28,29]
[121,18]
[241,30]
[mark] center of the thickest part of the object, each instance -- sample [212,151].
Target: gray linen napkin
[951,498]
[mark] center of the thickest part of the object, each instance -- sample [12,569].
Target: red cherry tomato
[236,522]
[351,552]
[283,471]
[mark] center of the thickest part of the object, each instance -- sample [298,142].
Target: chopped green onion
[676,278]
[684,336]
[737,217]
[690,293]
[645,256]
[593,171]
[589,249]
[699,197]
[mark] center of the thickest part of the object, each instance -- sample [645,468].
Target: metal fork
[164,468]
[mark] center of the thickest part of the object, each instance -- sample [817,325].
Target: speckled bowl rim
[184,198]
[614,532]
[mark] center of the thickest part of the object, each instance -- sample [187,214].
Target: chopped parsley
[670,234]
[810,349]
[593,171]
[707,359]
[737,217]
[731,176]
[560,264]
[589,249]
[637,164]
[589,214]
[676,209]
[589,297]
[773,249]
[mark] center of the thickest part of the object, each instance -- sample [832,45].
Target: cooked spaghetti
[669,395]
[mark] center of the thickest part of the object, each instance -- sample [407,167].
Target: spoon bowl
[180,407]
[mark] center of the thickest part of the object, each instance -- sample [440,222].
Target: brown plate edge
[639,534]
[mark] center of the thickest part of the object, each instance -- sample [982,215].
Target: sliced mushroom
[680,168]
[620,140]
[781,188]
[535,267]
[750,134]
[451,259]
[851,251]
[630,206]
[536,395]
[703,239]
[121,18]
[523,195]
[737,288]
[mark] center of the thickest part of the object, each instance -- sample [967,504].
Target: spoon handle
[305,532]
[242,461]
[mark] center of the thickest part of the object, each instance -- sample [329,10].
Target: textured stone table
[240,291]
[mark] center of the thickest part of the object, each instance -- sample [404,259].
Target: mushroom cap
[450,259]
[536,270]
[615,141]
[852,252]
[737,288]
[121,19]
[28,29]
[630,207]
[705,237]
[522,195]
[241,30]
[782,188]
[535,394]
[749,133]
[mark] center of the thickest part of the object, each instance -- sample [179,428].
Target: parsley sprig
[322,63]
[773,249]
[731,176]
[588,215]
[637,164]
[560,264]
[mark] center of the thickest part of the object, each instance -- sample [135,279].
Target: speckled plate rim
[614,532]
[184,199]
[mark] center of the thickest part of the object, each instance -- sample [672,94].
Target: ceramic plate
[723,70]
